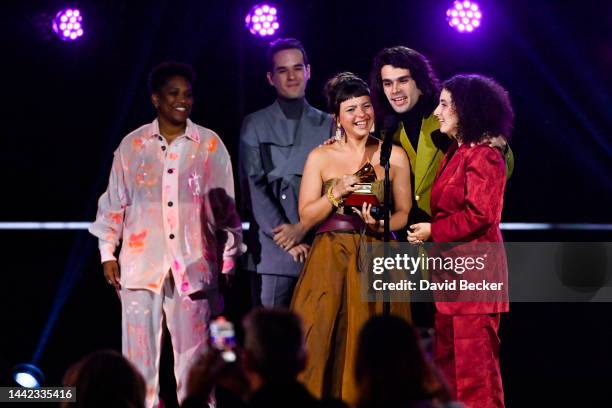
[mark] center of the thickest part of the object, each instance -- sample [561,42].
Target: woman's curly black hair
[482,105]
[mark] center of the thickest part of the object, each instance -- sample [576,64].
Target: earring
[338,135]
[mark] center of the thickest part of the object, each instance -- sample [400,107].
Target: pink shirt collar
[191,132]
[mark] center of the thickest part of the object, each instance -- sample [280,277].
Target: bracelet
[332,199]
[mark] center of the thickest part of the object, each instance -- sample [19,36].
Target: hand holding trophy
[365,192]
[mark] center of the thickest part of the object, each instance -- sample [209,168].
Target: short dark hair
[284,44]
[420,70]
[159,76]
[390,367]
[482,105]
[274,342]
[341,87]
[105,378]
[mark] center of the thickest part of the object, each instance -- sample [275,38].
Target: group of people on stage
[170,203]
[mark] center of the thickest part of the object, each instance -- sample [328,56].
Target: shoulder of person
[210,140]
[324,116]
[263,112]
[249,121]
[321,152]
[483,149]
[398,154]
[136,137]
[485,152]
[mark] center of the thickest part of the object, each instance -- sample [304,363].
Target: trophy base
[357,201]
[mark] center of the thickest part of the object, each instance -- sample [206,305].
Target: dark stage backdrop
[66,107]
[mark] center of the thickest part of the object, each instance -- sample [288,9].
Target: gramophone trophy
[365,192]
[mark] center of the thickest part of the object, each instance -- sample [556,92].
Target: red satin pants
[466,350]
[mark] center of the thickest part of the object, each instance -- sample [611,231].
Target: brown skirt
[328,298]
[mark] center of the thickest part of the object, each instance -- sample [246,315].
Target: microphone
[389,127]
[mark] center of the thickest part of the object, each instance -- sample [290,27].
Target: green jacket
[425,161]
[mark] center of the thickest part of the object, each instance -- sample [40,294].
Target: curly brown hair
[482,105]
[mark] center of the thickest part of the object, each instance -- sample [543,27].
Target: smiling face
[400,88]
[356,116]
[290,74]
[174,101]
[447,115]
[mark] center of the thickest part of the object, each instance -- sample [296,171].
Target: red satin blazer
[467,198]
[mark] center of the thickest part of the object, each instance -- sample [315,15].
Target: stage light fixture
[28,376]
[68,24]
[262,20]
[464,16]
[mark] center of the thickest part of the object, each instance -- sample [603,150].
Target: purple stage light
[464,16]
[68,24]
[262,20]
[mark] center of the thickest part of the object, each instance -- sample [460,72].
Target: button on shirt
[173,207]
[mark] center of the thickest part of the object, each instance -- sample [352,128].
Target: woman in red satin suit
[466,203]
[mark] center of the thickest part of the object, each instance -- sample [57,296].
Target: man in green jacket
[405,93]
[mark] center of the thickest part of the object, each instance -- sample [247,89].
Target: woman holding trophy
[342,193]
